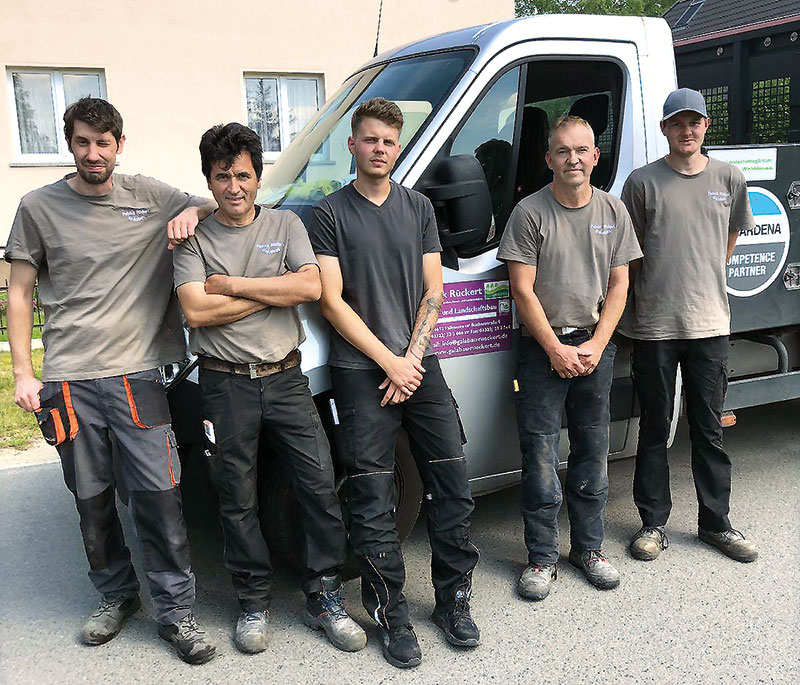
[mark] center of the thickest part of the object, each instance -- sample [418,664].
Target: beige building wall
[175,67]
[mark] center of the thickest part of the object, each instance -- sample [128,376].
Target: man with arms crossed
[96,241]
[239,280]
[687,210]
[568,247]
[378,249]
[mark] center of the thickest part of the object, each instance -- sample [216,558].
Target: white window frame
[283,107]
[63,157]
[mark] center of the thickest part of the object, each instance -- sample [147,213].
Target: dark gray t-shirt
[683,224]
[275,243]
[380,254]
[573,250]
[105,275]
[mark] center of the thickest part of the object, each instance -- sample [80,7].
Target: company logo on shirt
[271,248]
[136,214]
[719,195]
[602,229]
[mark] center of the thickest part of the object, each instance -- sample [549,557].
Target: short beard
[94,178]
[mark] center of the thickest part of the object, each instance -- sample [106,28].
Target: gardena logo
[760,251]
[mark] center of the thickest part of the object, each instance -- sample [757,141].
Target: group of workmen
[97,244]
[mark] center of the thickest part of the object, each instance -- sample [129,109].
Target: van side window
[507,133]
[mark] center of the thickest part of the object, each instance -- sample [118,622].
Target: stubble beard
[95,178]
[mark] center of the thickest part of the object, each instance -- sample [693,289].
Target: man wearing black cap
[687,210]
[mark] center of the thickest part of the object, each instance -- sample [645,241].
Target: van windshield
[317,162]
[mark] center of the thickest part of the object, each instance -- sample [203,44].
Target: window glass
[35,113]
[509,137]
[262,111]
[488,134]
[77,86]
[302,103]
[319,162]
[40,98]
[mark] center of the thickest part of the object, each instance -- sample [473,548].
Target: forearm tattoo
[427,315]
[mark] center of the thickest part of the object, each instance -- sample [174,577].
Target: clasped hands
[570,361]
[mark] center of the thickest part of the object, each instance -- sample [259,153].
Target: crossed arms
[225,299]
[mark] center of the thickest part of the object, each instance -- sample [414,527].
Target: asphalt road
[692,616]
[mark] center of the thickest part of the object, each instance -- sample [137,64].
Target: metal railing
[38,312]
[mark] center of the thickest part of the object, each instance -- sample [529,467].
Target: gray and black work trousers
[82,418]
[240,410]
[365,439]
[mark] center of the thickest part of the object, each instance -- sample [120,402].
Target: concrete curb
[36,344]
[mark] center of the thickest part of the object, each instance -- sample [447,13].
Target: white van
[477,105]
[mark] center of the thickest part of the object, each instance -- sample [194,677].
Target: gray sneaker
[251,636]
[731,543]
[597,569]
[325,611]
[648,542]
[189,640]
[535,581]
[106,621]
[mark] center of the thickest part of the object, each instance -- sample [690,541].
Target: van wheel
[280,515]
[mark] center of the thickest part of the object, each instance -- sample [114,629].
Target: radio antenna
[378,34]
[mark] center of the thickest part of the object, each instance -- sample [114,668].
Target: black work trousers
[703,364]
[238,408]
[366,441]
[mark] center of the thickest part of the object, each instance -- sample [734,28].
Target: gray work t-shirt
[275,243]
[380,254]
[105,275]
[573,251]
[683,224]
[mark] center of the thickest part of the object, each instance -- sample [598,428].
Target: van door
[502,122]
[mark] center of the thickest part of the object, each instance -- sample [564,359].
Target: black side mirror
[463,194]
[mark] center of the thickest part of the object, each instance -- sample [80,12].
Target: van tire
[280,515]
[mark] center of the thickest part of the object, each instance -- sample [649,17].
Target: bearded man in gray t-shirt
[687,210]
[96,242]
[239,280]
[568,247]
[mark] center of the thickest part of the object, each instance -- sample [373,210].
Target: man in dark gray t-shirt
[96,240]
[239,281]
[688,210]
[378,249]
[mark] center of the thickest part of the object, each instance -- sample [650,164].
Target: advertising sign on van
[760,251]
[475,319]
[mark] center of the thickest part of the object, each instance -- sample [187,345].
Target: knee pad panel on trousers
[101,529]
[447,495]
[161,529]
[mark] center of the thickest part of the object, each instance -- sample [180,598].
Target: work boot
[400,646]
[731,543]
[597,569]
[250,635]
[106,621]
[648,542]
[189,640]
[325,611]
[535,581]
[456,622]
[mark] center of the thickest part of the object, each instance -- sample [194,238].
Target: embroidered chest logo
[602,229]
[271,248]
[718,195]
[136,214]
